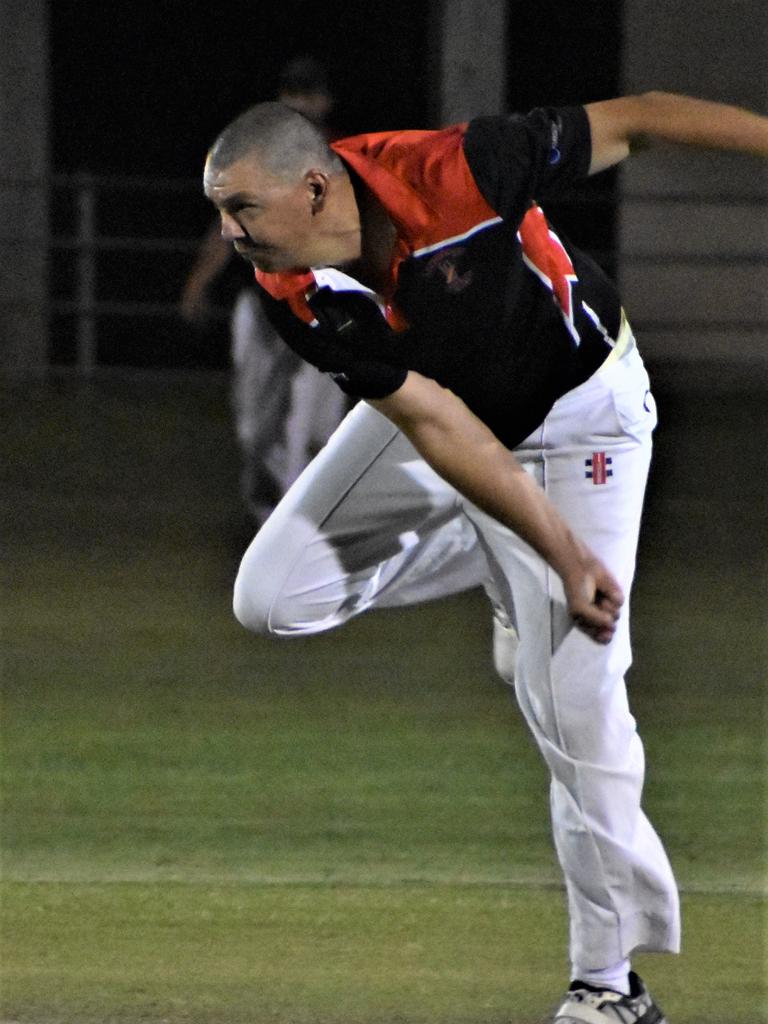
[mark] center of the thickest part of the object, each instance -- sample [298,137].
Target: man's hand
[594,598]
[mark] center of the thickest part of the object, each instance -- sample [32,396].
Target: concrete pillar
[715,49]
[23,186]
[470,46]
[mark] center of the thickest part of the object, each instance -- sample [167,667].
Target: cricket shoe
[587,1005]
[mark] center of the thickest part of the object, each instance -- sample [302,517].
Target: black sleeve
[352,342]
[516,160]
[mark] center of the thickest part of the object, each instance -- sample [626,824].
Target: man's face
[270,221]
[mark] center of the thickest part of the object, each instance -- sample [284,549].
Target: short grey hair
[285,142]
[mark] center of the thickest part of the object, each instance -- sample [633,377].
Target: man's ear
[317,189]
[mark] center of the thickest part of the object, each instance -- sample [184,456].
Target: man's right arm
[467,455]
[619,125]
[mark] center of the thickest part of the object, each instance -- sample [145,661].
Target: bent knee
[259,596]
[269,611]
[283,593]
[252,609]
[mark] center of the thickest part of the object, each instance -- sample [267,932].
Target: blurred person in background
[284,410]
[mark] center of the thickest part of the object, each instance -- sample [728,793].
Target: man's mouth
[249,251]
[259,256]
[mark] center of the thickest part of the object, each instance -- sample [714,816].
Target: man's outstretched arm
[212,256]
[622,124]
[467,454]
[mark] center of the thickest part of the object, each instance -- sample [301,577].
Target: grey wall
[23,190]
[694,272]
[470,45]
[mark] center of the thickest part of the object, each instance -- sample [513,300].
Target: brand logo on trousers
[598,468]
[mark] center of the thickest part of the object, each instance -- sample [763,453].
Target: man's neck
[377,240]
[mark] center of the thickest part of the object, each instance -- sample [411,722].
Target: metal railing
[88,244]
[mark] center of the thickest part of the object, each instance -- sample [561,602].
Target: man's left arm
[619,125]
[467,454]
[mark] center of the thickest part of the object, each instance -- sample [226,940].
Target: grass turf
[325,954]
[204,826]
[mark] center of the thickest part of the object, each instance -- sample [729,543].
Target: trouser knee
[269,604]
[252,606]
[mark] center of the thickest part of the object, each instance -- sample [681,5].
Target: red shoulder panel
[422,180]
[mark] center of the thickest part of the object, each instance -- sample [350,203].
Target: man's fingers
[607,590]
[598,618]
[601,631]
[610,603]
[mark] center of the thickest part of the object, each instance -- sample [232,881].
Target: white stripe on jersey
[598,324]
[458,238]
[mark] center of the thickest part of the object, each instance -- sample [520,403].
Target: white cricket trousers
[369,524]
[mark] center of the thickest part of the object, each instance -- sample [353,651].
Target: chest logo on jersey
[444,262]
[545,255]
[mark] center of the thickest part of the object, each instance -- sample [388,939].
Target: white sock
[616,977]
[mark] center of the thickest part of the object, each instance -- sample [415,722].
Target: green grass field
[204,826]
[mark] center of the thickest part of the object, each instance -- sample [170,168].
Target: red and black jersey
[491,303]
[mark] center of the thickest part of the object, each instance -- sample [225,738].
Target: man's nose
[230,227]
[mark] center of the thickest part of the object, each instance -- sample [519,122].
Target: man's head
[284,196]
